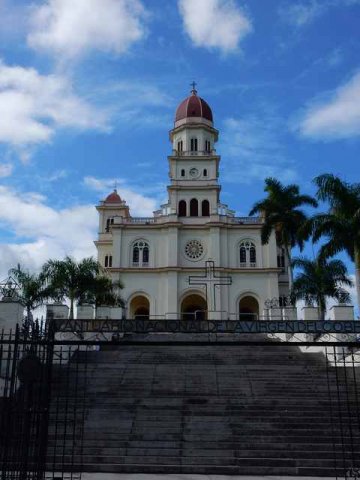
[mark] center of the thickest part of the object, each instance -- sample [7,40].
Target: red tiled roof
[193,106]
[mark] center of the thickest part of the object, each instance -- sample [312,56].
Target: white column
[117,241]
[103,312]
[342,312]
[289,313]
[11,313]
[85,312]
[57,311]
[310,313]
[173,308]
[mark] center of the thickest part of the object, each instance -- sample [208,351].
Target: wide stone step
[211,409]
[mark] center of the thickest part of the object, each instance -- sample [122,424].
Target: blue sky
[88,92]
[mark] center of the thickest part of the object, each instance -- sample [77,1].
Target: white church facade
[193,258]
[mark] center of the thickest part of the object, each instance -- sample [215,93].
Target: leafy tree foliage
[34,290]
[340,225]
[282,214]
[319,280]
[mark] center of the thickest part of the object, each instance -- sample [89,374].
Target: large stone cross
[210,280]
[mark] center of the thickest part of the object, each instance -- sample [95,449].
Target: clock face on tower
[194,172]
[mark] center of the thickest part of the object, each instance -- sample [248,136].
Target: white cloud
[42,231]
[338,117]
[34,106]
[70,28]
[6,169]
[214,23]
[301,14]
[252,150]
[140,205]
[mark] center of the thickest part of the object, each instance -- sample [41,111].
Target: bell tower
[194,164]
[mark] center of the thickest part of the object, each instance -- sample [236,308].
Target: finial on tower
[193,90]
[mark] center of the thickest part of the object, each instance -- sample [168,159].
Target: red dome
[113,198]
[193,106]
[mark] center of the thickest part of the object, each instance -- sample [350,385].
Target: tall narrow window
[180,146]
[242,255]
[207,146]
[109,221]
[205,208]
[108,261]
[194,208]
[205,172]
[247,254]
[193,144]
[145,253]
[281,258]
[140,254]
[182,208]
[136,254]
[183,173]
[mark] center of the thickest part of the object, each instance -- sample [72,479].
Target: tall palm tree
[282,214]
[33,289]
[320,279]
[71,279]
[341,224]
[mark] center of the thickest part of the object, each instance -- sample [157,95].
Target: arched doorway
[139,307]
[248,308]
[193,307]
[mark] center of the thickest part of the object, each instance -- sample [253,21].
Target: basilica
[194,258]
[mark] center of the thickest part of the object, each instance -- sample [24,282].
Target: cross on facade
[210,280]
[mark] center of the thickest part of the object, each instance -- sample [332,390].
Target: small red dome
[113,197]
[193,106]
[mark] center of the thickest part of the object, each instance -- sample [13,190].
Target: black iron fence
[46,403]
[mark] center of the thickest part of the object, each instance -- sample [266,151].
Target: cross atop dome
[193,90]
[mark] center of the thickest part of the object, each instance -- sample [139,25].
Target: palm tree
[104,292]
[33,289]
[71,279]
[320,279]
[282,213]
[341,224]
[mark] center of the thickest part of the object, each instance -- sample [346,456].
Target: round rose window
[194,249]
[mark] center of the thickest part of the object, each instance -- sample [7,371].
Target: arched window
[205,208]
[193,144]
[194,208]
[180,146]
[182,208]
[140,254]
[205,172]
[207,146]
[183,173]
[247,254]
[108,261]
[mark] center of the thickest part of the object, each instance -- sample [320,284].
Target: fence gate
[52,418]
[41,406]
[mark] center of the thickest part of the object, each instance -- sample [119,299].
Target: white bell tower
[194,164]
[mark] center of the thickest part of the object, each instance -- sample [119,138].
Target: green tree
[104,292]
[341,224]
[282,214]
[33,289]
[71,279]
[319,280]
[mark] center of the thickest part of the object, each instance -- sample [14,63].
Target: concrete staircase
[226,409]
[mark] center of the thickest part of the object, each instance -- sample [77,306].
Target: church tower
[194,164]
